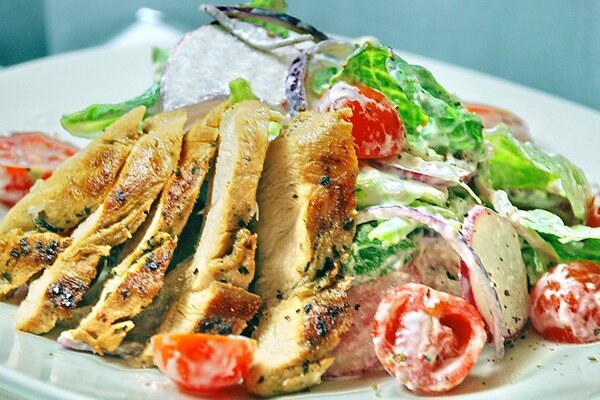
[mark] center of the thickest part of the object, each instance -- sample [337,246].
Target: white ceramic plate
[35,95]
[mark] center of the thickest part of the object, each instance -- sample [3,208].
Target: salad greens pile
[547,196]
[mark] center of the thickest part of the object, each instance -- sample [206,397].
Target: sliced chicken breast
[23,255]
[60,288]
[139,277]
[216,300]
[80,184]
[307,208]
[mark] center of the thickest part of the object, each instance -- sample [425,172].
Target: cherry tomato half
[376,126]
[428,340]
[565,304]
[201,362]
[26,157]
[594,212]
[492,116]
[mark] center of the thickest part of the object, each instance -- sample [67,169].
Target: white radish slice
[497,245]
[487,301]
[438,173]
[204,62]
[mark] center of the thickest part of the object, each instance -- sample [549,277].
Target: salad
[330,210]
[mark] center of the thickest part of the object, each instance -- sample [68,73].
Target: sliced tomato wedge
[492,116]
[26,157]
[377,128]
[426,339]
[199,362]
[565,305]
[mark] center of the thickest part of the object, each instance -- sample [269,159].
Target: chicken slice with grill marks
[139,277]
[23,255]
[215,299]
[307,208]
[80,184]
[150,164]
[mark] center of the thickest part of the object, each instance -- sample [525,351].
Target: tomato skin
[428,340]
[199,362]
[594,211]
[377,128]
[26,157]
[492,116]
[565,303]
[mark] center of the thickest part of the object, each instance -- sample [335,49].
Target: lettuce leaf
[89,122]
[516,165]
[373,257]
[434,119]
[279,6]
[374,187]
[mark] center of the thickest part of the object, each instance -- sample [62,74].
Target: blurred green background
[552,45]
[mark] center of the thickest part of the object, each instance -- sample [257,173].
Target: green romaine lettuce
[516,165]
[374,187]
[279,6]
[434,119]
[372,257]
[89,122]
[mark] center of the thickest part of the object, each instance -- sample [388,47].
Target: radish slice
[487,301]
[497,244]
[433,172]
[207,59]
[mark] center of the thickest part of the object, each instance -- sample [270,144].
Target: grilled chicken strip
[216,299]
[139,277]
[60,288]
[23,255]
[80,184]
[307,208]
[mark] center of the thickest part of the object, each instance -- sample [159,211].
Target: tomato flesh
[26,157]
[492,116]
[594,212]
[428,340]
[565,303]
[377,128]
[200,362]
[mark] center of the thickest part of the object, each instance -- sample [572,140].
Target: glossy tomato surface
[376,126]
[428,340]
[565,303]
[26,157]
[199,362]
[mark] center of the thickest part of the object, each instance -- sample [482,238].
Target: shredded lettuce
[373,257]
[374,187]
[392,231]
[545,222]
[516,165]
[434,119]
[89,122]
[535,264]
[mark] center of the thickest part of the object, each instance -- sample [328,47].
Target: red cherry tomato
[26,157]
[201,362]
[565,303]
[594,212]
[428,340]
[492,116]
[376,126]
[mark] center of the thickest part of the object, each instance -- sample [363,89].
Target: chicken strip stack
[307,208]
[139,277]
[80,184]
[215,298]
[151,162]
[31,235]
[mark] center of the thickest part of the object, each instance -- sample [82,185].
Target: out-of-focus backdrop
[552,45]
